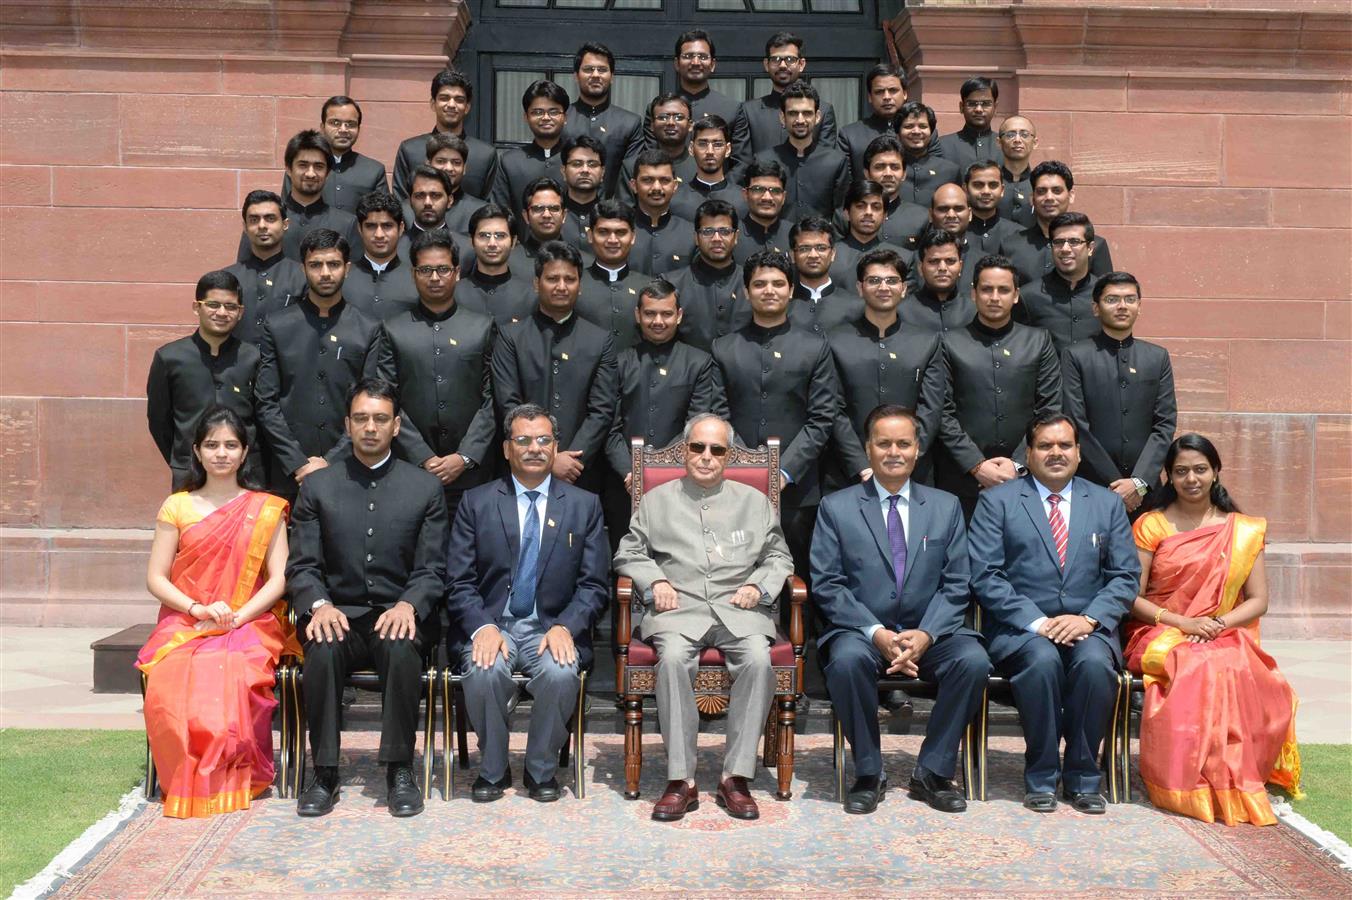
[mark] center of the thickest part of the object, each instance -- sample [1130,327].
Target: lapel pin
[1133,371]
[236,389]
[551,522]
[564,355]
[662,372]
[777,355]
[453,343]
[1007,353]
[892,355]
[333,338]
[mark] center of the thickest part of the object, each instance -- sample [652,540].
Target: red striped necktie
[1060,534]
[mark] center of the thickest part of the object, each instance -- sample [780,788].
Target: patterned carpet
[607,846]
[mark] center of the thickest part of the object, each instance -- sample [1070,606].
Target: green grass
[1326,776]
[54,785]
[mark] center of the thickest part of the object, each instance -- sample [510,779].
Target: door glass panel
[732,87]
[509,125]
[722,6]
[843,94]
[635,92]
[835,6]
[778,5]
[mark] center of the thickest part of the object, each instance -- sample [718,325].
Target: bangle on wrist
[1219,621]
[1159,613]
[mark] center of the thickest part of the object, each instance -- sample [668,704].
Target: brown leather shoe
[735,796]
[678,799]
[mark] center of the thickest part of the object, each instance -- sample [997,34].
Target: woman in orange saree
[1219,719]
[217,567]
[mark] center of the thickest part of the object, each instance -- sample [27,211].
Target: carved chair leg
[770,750]
[633,744]
[787,714]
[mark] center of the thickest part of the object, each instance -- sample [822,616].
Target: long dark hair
[214,417]
[1165,494]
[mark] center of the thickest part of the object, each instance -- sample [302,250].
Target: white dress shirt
[1043,493]
[903,510]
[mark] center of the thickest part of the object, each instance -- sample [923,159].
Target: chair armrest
[624,596]
[797,592]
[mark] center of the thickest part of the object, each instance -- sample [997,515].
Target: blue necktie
[896,536]
[523,586]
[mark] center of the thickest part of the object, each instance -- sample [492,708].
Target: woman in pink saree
[217,567]
[1219,719]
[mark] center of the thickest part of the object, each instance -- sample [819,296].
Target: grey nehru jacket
[707,543]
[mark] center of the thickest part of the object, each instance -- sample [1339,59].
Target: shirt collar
[258,264]
[313,209]
[612,275]
[519,489]
[589,110]
[1044,492]
[803,292]
[1112,343]
[904,493]
[379,268]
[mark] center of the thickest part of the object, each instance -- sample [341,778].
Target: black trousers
[399,665]
[852,665]
[1063,691]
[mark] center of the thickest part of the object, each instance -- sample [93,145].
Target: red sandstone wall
[121,171]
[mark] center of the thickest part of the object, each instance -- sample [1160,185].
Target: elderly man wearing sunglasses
[709,558]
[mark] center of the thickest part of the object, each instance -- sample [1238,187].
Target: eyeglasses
[541,208]
[491,235]
[551,113]
[584,164]
[698,448]
[595,70]
[783,59]
[761,189]
[217,306]
[979,104]
[880,280]
[812,248]
[1072,243]
[429,271]
[365,418]
[710,145]
[694,57]
[1020,133]
[525,440]
[711,231]
[671,117]
[1117,300]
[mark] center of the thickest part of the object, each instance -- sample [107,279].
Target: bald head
[1018,138]
[949,209]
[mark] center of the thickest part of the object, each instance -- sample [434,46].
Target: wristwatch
[1141,486]
[318,603]
[1093,623]
[1020,469]
[470,465]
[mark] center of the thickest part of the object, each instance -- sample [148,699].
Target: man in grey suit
[709,558]
[1055,568]
[889,578]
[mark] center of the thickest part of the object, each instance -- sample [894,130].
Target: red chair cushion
[757,477]
[641,653]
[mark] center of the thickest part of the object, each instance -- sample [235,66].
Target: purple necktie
[896,536]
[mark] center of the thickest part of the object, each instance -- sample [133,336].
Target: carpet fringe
[64,864]
[1329,842]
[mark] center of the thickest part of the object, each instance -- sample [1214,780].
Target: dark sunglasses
[698,448]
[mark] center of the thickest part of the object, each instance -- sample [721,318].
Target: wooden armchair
[636,660]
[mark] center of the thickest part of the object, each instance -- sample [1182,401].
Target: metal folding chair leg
[429,731]
[580,741]
[152,783]
[838,755]
[978,742]
[1117,747]
[447,728]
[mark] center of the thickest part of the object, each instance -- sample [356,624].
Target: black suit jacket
[781,382]
[518,167]
[307,364]
[508,298]
[1066,311]
[925,174]
[572,570]
[619,131]
[441,364]
[1031,252]
[905,366]
[837,306]
[713,302]
[999,379]
[609,305]
[351,178]
[380,295]
[923,309]
[185,380]
[758,128]
[566,367]
[266,285]
[818,179]
[1121,395]
[661,386]
[481,169]
[364,539]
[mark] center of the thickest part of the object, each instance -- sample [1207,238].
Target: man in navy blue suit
[528,572]
[1055,569]
[889,577]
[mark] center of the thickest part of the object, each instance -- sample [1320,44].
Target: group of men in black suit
[824,273]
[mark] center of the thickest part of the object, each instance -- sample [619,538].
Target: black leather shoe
[938,792]
[865,794]
[405,797]
[1091,804]
[544,792]
[1040,801]
[897,702]
[318,799]
[485,791]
